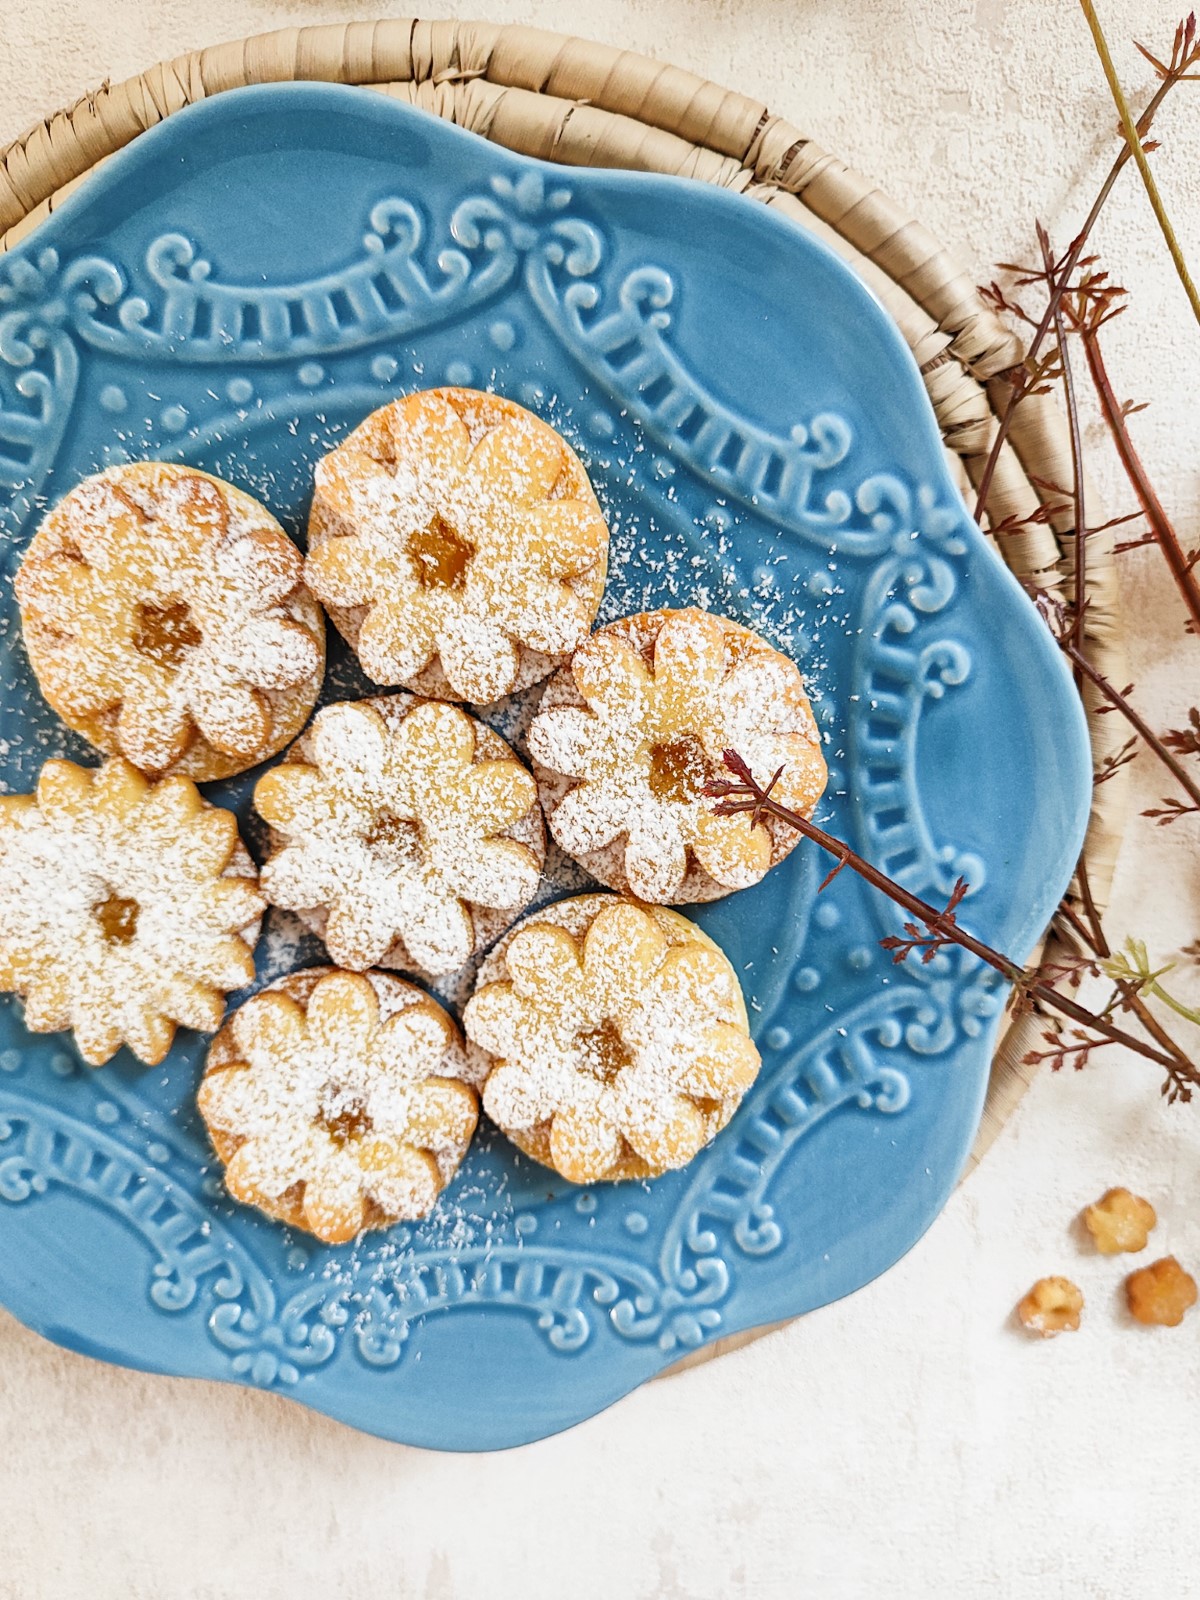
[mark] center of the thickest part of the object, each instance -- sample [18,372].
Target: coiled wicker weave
[585,104]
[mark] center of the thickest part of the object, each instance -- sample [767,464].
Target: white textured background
[907,1442]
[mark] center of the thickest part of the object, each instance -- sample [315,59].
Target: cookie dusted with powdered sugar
[167,620]
[404,832]
[614,1038]
[336,1103]
[457,544]
[629,734]
[126,908]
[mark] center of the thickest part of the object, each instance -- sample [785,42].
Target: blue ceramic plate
[237,290]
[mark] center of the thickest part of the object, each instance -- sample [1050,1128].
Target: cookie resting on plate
[615,1038]
[336,1103]
[628,735]
[403,832]
[457,544]
[166,619]
[126,907]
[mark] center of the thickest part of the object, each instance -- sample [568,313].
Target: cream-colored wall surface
[907,1441]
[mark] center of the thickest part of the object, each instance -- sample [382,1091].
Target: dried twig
[1134,137]
[745,795]
[1183,58]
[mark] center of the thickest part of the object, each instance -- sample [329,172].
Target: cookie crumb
[1120,1221]
[1161,1294]
[1052,1306]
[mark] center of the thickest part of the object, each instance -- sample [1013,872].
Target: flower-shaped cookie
[166,619]
[334,1101]
[629,734]
[619,1038]
[126,907]
[407,833]
[458,545]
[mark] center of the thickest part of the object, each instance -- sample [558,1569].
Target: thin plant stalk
[1133,141]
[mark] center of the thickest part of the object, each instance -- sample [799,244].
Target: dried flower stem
[1020,375]
[1156,516]
[1141,727]
[747,795]
[1077,487]
[1133,141]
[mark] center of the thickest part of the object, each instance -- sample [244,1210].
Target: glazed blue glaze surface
[236,291]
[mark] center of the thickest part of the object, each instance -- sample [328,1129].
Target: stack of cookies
[457,545]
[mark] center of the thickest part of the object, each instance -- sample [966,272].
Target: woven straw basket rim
[580,103]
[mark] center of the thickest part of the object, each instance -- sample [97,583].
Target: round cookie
[614,1038]
[167,621]
[457,544]
[335,1101]
[628,735]
[126,907]
[404,832]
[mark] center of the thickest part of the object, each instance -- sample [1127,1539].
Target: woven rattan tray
[585,104]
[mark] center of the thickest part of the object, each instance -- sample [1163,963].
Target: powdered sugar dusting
[455,530]
[336,1100]
[125,908]
[617,1034]
[626,740]
[165,616]
[407,833]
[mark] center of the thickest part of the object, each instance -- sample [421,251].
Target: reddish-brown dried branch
[1143,729]
[1156,516]
[747,796]
[1183,59]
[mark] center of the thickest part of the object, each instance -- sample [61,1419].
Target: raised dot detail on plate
[636,1222]
[777,1038]
[600,425]
[718,519]
[384,368]
[174,419]
[819,584]
[526,1223]
[297,1259]
[63,1066]
[532,395]
[10,1060]
[859,959]
[158,1152]
[503,334]
[106,1111]
[115,455]
[806,979]
[113,397]
[460,372]
[239,390]
[585,1203]
[827,915]
[213,1186]
[310,374]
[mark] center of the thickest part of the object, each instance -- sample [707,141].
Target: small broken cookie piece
[614,1036]
[630,735]
[336,1102]
[127,908]
[457,544]
[1120,1221]
[166,618]
[1052,1306]
[1161,1294]
[404,832]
